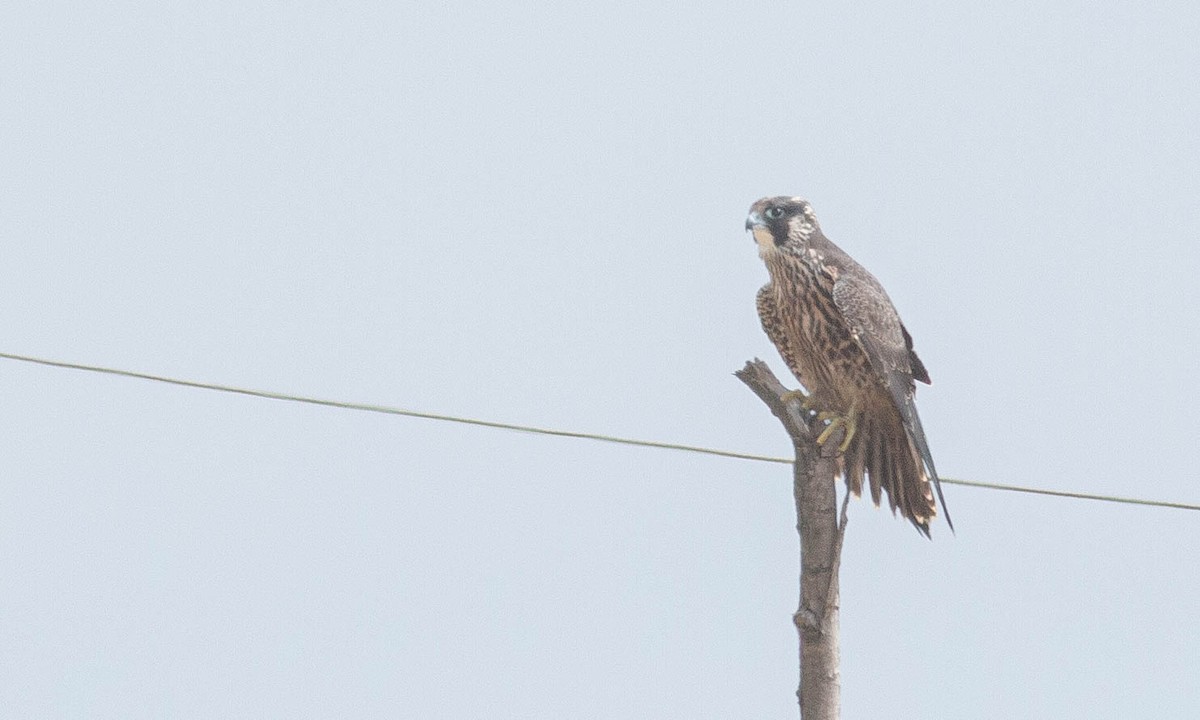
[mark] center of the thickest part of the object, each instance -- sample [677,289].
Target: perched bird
[841,337]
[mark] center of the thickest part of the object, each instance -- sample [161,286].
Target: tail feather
[891,460]
[875,461]
[853,467]
[914,486]
[912,423]
[886,471]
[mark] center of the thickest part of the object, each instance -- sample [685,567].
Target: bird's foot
[848,423]
[806,400]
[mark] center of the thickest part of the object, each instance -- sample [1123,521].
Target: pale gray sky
[533,212]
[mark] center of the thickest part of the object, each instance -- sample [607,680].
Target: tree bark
[816,620]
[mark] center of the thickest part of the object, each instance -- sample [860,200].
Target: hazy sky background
[532,212]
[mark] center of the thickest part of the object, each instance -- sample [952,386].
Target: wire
[1069,494]
[386,410]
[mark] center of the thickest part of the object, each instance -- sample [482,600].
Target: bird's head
[782,224]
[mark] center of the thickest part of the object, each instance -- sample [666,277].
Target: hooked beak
[760,232]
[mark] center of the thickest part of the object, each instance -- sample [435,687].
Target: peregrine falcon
[841,337]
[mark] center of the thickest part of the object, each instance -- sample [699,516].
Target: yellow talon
[805,399]
[847,422]
[791,395]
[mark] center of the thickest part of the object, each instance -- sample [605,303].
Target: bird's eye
[774,213]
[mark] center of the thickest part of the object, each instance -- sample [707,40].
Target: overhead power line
[388,410]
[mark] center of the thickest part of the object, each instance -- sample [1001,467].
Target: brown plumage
[841,337]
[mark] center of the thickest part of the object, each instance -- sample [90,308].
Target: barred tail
[883,452]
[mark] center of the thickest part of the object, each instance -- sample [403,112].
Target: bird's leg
[848,421]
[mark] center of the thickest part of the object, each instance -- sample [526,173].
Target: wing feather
[883,338]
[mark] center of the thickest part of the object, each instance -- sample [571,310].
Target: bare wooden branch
[821,535]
